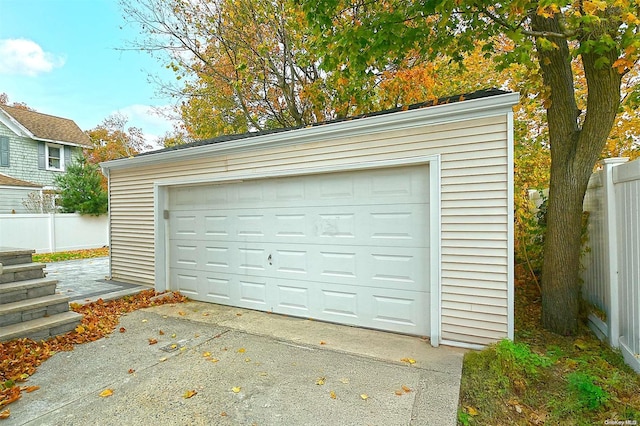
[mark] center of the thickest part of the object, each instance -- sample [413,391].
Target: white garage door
[348,247]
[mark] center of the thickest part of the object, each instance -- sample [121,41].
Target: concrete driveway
[247,368]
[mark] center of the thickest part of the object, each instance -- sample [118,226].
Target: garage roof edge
[418,115]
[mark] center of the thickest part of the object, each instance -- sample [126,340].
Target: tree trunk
[575,148]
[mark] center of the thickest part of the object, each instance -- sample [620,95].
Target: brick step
[11,256]
[42,328]
[27,289]
[21,272]
[26,310]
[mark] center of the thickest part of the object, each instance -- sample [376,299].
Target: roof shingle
[48,127]
[9,181]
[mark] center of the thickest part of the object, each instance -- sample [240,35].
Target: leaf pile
[19,358]
[70,255]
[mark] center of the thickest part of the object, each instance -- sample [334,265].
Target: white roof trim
[456,111]
[14,125]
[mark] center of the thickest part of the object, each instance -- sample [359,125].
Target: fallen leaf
[320,381]
[247,360]
[322,342]
[206,314]
[239,314]
[344,380]
[406,389]
[241,350]
[471,410]
[188,394]
[153,341]
[131,371]
[580,344]
[163,359]
[236,389]
[79,329]
[30,389]
[399,392]
[5,414]
[144,320]
[364,396]
[332,395]
[122,329]
[181,313]
[161,333]
[174,346]
[107,392]
[408,360]
[206,354]
[173,336]
[223,414]
[214,360]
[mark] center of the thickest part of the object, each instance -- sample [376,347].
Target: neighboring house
[13,192]
[34,149]
[399,221]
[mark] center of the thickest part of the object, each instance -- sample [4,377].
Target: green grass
[70,255]
[543,378]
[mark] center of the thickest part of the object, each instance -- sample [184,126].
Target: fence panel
[51,232]
[595,255]
[626,179]
[612,261]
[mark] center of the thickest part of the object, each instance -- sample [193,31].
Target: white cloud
[154,121]
[21,56]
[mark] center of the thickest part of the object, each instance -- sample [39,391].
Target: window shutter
[4,151]
[67,156]
[41,156]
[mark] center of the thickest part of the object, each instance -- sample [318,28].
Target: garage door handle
[269,260]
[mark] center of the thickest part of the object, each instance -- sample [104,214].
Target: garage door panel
[380,267]
[390,225]
[396,185]
[350,248]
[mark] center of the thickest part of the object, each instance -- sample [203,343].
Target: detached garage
[400,221]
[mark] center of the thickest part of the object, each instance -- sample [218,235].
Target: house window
[55,158]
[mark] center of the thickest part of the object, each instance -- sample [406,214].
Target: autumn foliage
[20,358]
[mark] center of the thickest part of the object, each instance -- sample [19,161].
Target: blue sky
[60,57]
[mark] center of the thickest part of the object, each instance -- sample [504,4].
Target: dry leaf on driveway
[188,394]
[107,392]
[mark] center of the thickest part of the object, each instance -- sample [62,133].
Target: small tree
[81,190]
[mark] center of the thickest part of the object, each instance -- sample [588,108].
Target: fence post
[610,230]
[52,232]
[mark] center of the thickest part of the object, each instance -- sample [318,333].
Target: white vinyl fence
[52,232]
[612,260]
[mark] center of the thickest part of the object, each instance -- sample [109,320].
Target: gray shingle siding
[24,159]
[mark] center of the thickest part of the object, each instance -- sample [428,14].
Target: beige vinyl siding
[474,198]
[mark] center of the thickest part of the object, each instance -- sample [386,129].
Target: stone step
[27,289]
[42,328]
[14,256]
[21,272]
[27,310]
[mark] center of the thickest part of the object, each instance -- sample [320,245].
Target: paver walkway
[87,280]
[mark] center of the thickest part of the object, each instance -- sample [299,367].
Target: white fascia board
[444,113]
[53,141]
